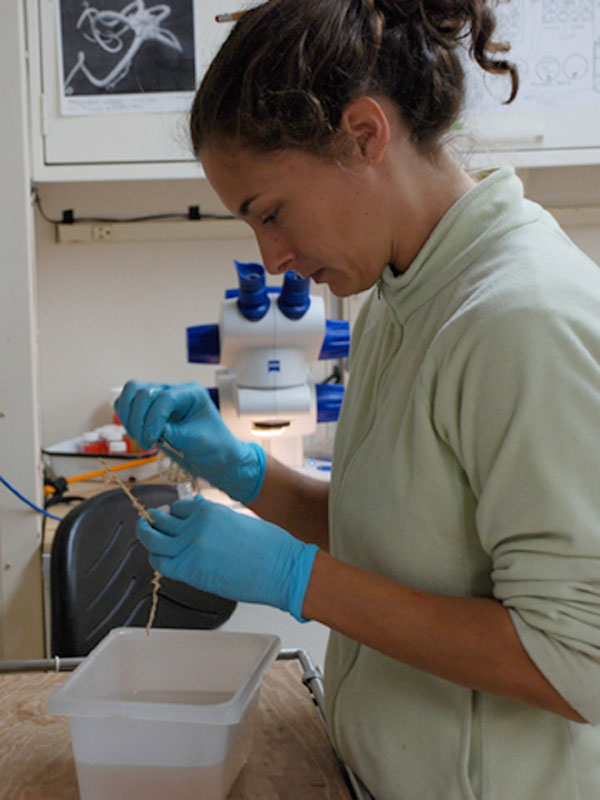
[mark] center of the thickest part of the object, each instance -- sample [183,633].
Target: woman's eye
[269,218]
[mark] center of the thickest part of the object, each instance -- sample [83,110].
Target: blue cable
[25,500]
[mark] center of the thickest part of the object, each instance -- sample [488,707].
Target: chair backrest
[100,576]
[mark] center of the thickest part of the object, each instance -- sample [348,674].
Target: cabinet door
[116,79]
[555,118]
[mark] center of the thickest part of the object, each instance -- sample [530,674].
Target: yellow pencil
[233,17]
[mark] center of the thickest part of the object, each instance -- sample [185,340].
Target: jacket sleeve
[526,428]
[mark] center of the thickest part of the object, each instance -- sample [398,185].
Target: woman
[456,554]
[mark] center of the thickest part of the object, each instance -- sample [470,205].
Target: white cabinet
[128,44]
[555,120]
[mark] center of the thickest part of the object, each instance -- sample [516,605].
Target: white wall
[113,311]
[569,186]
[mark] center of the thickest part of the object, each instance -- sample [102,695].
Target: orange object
[97,473]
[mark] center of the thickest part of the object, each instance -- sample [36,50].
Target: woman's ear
[365,122]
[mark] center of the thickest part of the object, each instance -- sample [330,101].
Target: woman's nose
[277,254]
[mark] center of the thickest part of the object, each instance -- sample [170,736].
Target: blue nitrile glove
[186,417]
[229,554]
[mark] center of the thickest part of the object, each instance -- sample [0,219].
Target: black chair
[100,576]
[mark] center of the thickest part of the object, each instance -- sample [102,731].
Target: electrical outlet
[101,233]
[180,230]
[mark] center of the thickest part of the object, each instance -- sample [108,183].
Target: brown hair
[289,67]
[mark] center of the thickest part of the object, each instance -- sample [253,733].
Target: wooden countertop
[291,755]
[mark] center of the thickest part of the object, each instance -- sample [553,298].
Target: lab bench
[291,756]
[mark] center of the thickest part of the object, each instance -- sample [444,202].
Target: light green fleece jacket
[467,462]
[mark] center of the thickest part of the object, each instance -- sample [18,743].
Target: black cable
[69,218]
[60,486]
[66,498]
[38,203]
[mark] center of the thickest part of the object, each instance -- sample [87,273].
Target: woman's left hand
[229,554]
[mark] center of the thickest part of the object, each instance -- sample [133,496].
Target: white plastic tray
[164,715]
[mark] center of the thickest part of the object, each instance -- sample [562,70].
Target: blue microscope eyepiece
[253,301]
[294,299]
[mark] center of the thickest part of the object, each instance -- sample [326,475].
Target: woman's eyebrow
[244,207]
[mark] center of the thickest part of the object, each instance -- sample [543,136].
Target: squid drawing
[107,29]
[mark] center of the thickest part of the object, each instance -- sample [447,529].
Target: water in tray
[180,697]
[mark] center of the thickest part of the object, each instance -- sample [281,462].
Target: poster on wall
[120,57]
[556,47]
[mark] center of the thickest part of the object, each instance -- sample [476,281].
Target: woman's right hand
[187,419]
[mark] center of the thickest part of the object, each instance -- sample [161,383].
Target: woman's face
[312,215]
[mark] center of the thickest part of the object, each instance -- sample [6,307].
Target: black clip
[60,486]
